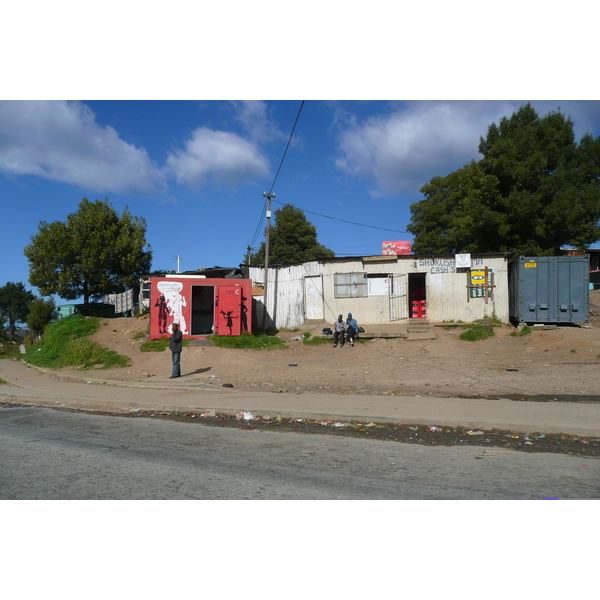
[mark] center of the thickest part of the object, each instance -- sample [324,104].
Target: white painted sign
[463,260]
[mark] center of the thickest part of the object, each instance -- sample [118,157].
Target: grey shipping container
[549,289]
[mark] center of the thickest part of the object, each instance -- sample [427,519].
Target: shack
[202,302]
[384,288]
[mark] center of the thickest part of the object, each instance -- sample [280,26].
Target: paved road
[35,386]
[52,454]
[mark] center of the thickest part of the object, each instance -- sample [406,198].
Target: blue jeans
[176,364]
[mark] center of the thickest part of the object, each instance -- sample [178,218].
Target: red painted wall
[200,305]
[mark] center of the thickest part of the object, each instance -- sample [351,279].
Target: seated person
[351,329]
[339,327]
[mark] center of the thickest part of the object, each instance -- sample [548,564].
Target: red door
[228,317]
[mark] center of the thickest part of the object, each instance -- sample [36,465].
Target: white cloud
[254,117]
[61,141]
[402,151]
[218,158]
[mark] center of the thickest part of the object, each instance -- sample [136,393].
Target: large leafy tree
[534,191]
[14,300]
[94,252]
[292,239]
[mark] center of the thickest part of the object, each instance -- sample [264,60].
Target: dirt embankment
[559,362]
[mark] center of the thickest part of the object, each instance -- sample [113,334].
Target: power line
[288,145]
[262,216]
[349,222]
[258,227]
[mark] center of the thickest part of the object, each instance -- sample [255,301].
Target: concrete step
[371,335]
[420,330]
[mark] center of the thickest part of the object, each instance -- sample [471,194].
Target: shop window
[350,285]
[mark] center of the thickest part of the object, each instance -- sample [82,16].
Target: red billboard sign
[401,248]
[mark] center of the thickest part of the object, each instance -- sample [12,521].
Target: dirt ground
[559,362]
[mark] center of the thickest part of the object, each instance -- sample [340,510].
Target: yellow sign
[530,265]
[478,277]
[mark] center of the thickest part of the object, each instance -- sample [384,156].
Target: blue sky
[197,170]
[179,132]
[359,152]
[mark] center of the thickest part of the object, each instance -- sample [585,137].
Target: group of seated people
[344,330]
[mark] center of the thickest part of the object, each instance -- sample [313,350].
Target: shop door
[203,309]
[229,310]
[399,298]
[313,297]
[417,298]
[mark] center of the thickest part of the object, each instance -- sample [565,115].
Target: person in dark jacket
[351,329]
[175,345]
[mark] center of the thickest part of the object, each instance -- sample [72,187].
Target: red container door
[228,309]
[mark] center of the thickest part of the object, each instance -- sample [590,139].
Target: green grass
[521,332]
[475,333]
[65,343]
[155,345]
[2,381]
[247,341]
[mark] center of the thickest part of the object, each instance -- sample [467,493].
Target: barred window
[350,285]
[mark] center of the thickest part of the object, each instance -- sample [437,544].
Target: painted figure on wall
[177,302]
[229,316]
[163,311]
[171,304]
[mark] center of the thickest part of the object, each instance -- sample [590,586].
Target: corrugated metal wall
[446,290]
[285,294]
[445,287]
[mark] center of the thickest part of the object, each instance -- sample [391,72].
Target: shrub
[475,333]
[521,332]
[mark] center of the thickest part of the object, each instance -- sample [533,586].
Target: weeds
[247,341]
[140,334]
[158,345]
[525,330]
[476,332]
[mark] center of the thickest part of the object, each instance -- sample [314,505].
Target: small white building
[384,289]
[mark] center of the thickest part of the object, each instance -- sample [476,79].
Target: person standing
[351,329]
[339,327]
[175,345]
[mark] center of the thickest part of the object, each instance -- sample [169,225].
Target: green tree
[292,239]
[41,313]
[95,252]
[14,299]
[534,191]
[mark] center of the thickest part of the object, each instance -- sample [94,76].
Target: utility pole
[268,196]
[249,248]
[178,261]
